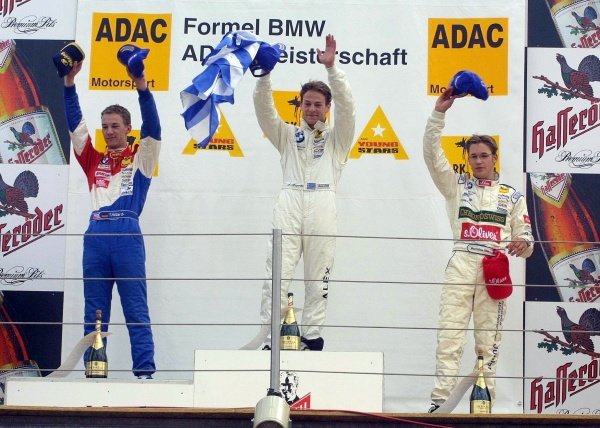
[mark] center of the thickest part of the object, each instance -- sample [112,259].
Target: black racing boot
[312,344]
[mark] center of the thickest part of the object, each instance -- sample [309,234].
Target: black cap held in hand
[63,61]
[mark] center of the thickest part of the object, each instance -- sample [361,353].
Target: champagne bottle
[567,228]
[27,132]
[290,331]
[481,400]
[14,357]
[97,364]
[575,28]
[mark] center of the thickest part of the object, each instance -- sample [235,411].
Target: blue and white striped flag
[225,67]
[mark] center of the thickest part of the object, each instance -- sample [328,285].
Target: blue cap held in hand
[133,58]
[466,82]
[266,58]
[63,61]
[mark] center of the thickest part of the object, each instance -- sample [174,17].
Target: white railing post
[275,311]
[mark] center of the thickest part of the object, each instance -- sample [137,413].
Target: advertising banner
[561,368]
[38,19]
[562,111]
[562,160]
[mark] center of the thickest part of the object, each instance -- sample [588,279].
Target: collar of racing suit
[483,182]
[319,126]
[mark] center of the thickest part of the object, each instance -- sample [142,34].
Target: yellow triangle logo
[222,141]
[133,138]
[378,138]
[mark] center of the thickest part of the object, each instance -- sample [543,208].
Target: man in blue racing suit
[118,180]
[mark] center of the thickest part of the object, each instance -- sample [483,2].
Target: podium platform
[309,380]
[39,391]
[224,379]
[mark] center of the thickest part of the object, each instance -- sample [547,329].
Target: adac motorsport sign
[476,44]
[110,31]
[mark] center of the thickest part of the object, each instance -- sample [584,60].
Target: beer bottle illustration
[567,228]
[27,132]
[577,22]
[14,358]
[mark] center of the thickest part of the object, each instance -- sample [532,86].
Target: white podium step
[224,379]
[31,391]
[308,380]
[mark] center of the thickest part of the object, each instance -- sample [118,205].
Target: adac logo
[110,31]
[570,379]
[14,196]
[476,44]
[223,140]
[378,138]
[570,79]
[454,148]
[7,6]
[289,384]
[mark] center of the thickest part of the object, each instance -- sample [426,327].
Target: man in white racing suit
[484,215]
[312,158]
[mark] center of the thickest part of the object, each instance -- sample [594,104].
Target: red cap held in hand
[497,276]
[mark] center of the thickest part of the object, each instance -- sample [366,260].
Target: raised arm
[150,133]
[344,114]
[72,107]
[268,119]
[439,168]
[150,120]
